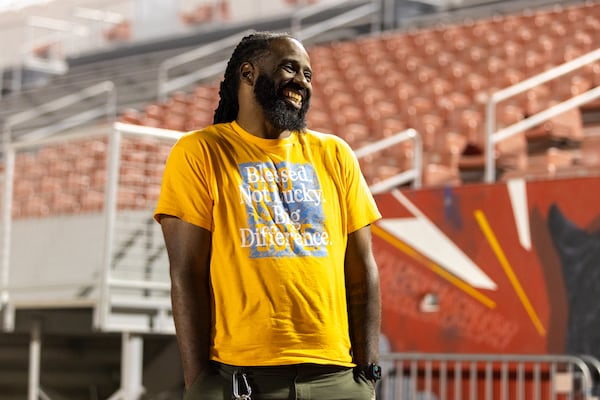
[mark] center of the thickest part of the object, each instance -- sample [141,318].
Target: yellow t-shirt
[280,212]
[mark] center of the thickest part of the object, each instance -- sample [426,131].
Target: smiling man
[275,290]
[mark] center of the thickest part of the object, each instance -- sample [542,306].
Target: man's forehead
[287,46]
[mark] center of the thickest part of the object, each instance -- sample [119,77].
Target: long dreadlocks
[250,48]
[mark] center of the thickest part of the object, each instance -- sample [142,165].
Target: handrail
[61,103]
[165,86]
[311,10]
[548,113]
[53,286]
[406,176]
[189,79]
[133,283]
[147,130]
[334,22]
[417,356]
[592,361]
[492,137]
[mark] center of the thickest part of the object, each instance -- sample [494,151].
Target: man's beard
[277,110]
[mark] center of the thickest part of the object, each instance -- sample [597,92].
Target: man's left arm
[364,298]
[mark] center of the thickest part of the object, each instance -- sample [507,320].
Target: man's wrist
[372,371]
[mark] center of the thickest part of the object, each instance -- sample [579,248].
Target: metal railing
[166,85]
[101,89]
[11,145]
[493,136]
[409,376]
[121,275]
[413,175]
[136,286]
[361,11]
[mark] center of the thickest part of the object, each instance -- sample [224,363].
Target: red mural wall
[509,266]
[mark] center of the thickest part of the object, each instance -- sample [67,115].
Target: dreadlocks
[250,48]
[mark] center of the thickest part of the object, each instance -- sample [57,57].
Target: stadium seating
[368,89]
[435,80]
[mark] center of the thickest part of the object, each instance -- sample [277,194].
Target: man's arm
[188,248]
[364,302]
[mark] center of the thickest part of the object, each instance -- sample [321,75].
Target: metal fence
[420,376]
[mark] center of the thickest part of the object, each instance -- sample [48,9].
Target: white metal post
[110,213]
[132,356]
[35,351]
[9,171]
[490,128]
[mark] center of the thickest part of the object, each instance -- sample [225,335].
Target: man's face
[283,87]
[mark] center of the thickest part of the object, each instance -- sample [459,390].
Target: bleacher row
[432,80]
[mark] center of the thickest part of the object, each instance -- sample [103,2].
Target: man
[275,290]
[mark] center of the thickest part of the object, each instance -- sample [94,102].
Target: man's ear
[247,73]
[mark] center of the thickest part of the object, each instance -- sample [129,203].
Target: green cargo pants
[288,382]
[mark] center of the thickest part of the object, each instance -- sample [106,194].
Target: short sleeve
[185,190]
[360,204]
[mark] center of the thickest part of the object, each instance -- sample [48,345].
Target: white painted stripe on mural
[422,235]
[517,190]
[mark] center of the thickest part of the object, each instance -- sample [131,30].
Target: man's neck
[259,127]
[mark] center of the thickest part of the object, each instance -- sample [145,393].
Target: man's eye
[308,77]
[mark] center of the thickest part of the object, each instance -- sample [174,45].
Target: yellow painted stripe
[489,234]
[468,289]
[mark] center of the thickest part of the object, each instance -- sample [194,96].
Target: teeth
[295,97]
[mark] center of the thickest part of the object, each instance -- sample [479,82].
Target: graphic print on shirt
[284,207]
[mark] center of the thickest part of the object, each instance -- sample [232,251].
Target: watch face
[377,371]
[374,372]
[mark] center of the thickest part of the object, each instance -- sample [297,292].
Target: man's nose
[301,79]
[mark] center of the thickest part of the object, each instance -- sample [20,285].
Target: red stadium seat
[131,116]
[92,201]
[590,151]
[438,175]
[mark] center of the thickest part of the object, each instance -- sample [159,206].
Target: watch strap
[373,372]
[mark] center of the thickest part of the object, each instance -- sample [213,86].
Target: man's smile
[293,97]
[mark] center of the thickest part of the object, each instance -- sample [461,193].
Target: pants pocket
[208,385]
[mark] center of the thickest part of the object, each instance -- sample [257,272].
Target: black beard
[278,112]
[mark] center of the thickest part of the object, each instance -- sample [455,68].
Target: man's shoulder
[326,140]
[210,133]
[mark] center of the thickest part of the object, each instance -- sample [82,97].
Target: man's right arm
[188,248]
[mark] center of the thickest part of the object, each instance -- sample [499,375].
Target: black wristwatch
[373,372]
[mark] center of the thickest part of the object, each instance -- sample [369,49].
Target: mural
[511,267]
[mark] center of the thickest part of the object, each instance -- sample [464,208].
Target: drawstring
[240,377]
